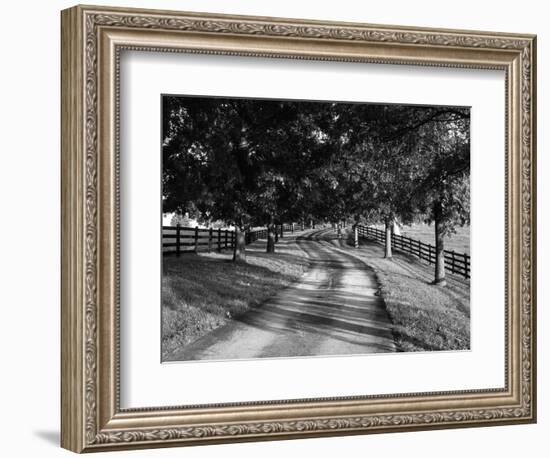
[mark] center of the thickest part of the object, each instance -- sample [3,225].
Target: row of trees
[261,162]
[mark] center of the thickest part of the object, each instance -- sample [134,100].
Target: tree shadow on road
[339,317]
[426,317]
[201,292]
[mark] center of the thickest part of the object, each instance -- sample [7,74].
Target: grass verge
[425,317]
[201,292]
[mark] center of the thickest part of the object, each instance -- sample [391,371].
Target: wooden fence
[458,263]
[179,239]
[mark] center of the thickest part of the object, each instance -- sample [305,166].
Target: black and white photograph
[300,228]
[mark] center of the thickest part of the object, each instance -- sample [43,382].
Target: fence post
[292,228]
[226,234]
[429,254]
[282,230]
[219,239]
[178,228]
[210,239]
[356,236]
[453,261]
[466,266]
[196,239]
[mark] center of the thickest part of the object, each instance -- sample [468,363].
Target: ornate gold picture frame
[92,40]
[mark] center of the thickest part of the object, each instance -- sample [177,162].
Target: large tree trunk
[439,249]
[270,247]
[239,249]
[388,224]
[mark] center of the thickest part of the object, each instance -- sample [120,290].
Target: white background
[146,75]
[29,190]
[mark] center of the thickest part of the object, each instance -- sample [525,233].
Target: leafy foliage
[253,162]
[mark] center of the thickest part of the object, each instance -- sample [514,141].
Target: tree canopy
[255,161]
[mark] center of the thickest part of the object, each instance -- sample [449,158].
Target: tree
[180,220]
[209,162]
[243,161]
[378,168]
[407,162]
[425,170]
[292,145]
[443,194]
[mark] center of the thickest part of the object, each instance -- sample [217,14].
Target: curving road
[332,310]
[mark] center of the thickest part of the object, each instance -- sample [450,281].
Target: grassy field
[460,241]
[201,292]
[425,317]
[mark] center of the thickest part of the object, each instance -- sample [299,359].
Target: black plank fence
[458,263]
[180,239]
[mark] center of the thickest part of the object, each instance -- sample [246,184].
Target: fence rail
[180,239]
[458,263]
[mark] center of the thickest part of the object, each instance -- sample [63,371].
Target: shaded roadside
[202,292]
[425,317]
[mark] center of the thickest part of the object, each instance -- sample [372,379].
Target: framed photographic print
[277,228]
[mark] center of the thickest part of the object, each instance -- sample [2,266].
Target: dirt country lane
[332,310]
